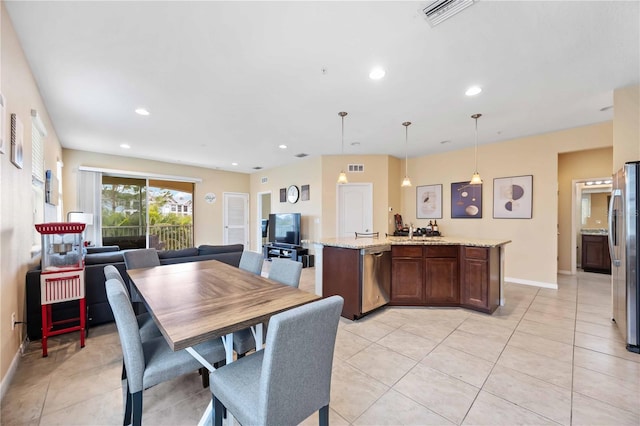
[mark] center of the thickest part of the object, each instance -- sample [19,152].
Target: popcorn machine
[62,277]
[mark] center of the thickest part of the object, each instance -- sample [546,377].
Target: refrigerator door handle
[613,231]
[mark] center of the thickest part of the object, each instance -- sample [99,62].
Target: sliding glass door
[140,213]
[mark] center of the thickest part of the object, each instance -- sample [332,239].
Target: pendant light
[406,181]
[476,179]
[342,178]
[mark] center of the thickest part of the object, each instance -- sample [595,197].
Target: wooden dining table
[199,301]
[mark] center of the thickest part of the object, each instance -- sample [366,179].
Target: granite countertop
[360,243]
[594,231]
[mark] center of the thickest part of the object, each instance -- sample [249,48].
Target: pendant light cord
[406,125]
[475,117]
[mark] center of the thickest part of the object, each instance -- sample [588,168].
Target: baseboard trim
[563,272]
[6,380]
[532,283]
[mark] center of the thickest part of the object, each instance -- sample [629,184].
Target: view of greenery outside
[124,211]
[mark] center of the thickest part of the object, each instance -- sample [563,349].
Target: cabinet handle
[613,226]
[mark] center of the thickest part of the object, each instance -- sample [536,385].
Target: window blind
[38,133]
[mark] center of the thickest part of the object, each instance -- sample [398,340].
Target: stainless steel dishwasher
[375,272]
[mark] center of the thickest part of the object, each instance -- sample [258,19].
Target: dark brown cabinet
[442,286]
[407,280]
[595,254]
[480,273]
[341,276]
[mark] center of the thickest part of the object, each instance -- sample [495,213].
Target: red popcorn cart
[62,277]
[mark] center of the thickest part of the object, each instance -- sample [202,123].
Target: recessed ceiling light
[473,90]
[282,146]
[142,111]
[125,146]
[234,164]
[377,73]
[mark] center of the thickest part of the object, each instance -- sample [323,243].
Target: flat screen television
[284,228]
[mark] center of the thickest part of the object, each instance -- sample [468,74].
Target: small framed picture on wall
[283,195]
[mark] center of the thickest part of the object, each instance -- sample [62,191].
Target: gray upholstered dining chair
[150,362]
[284,271]
[291,377]
[146,325]
[141,258]
[251,261]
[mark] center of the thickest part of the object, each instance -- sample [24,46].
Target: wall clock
[210,197]
[293,193]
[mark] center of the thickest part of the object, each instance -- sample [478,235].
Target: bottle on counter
[435,226]
[429,227]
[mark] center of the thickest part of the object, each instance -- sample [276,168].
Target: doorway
[354,209]
[589,207]
[263,208]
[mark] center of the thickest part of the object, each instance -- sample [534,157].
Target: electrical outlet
[13,321]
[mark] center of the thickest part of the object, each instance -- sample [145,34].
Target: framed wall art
[466,201]
[283,195]
[513,197]
[429,202]
[17,130]
[304,193]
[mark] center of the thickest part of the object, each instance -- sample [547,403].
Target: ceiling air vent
[301,155]
[440,10]
[356,168]
[264,180]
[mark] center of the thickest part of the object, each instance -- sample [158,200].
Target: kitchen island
[419,271]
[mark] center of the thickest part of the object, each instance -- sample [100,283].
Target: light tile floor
[547,357]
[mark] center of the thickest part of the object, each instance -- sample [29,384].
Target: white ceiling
[230,81]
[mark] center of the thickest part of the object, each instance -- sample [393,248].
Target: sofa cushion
[205,249]
[103,249]
[170,254]
[106,257]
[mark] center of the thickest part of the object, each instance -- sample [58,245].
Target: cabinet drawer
[441,251]
[406,251]
[481,253]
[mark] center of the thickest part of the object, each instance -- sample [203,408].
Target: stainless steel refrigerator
[624,221]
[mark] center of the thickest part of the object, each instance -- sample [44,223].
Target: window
[38,133]
[139,213]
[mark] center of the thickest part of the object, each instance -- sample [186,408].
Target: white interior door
[355,209]
[236,218]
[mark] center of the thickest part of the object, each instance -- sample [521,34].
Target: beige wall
[377,170]
[16,221]
[626,126]
[594,163]
[208,221]
[307,171]
[532,255]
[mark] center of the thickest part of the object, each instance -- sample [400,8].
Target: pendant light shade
[476,179]
[342,177]
[406,181]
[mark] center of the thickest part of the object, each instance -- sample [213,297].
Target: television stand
[287,251]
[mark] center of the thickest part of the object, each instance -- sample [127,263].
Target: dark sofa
[98,309]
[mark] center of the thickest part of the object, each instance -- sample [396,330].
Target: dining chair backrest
[128,332]
[285,271]
[251,261]
[142,258]
[112,273]
[296,369]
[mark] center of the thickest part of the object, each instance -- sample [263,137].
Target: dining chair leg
[137,409]
[324,416]
[127,408]
[205,376]
[218,410]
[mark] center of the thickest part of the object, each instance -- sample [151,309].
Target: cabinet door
[407,281]
[341,276]
[595,253]
[441,281]
[475,288]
